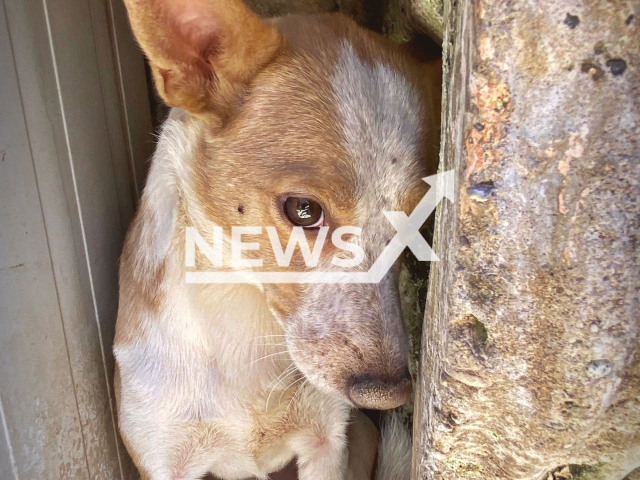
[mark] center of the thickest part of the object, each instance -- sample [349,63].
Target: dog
[301,123]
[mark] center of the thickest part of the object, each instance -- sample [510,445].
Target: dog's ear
[203,53]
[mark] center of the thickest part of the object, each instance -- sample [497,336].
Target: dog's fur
[237,380]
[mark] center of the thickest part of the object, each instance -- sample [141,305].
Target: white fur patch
[380,113]
[381,117]
[167,176]
[394,458]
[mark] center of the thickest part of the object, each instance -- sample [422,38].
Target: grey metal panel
[134,91]
[38,402]
[67,193]
[8,469]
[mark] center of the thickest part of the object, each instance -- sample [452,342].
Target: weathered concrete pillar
[530,352]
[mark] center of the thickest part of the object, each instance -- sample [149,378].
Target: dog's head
[308,122]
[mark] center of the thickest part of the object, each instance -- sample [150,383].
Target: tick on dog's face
[326,125]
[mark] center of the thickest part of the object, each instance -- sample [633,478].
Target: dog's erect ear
[202,53]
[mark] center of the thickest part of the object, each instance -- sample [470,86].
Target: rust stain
[483,139]
[491,104]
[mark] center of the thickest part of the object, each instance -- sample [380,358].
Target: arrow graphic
[407,235]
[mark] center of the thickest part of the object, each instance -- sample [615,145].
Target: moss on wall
[401,20]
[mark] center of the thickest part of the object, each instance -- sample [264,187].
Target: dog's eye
[304,212]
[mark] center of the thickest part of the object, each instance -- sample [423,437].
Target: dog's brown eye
[304,212]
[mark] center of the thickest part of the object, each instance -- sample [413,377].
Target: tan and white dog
[302,121]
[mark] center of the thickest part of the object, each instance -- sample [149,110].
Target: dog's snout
[380,393]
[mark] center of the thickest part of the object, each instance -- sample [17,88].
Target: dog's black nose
[380,393]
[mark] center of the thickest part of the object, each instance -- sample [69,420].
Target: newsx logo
[283,257]
[407,235]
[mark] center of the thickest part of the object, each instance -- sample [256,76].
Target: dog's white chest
[242,465]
